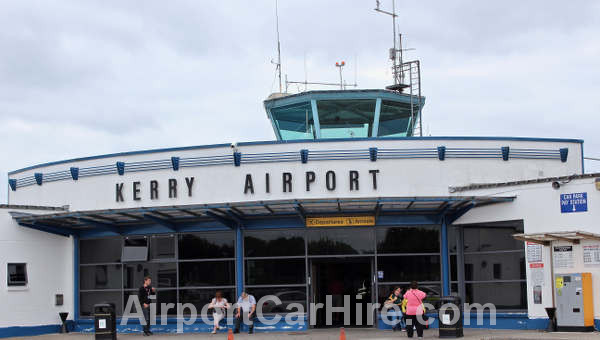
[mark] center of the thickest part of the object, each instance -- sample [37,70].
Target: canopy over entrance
[290,213]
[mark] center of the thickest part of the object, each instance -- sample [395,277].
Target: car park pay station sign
[576,202]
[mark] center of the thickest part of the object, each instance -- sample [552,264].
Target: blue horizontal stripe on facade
[134,326]
[332,140]
[519,321]
[119,154]
[19,331]
[315,155]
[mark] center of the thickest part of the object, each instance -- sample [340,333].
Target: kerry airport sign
[284,182]
[340,221]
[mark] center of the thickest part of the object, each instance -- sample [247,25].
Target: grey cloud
[82,78]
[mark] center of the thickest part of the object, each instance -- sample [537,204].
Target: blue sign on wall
[575,202]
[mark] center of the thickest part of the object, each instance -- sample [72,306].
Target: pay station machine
[574,302]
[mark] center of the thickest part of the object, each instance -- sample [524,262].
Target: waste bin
[105,321]
[450,324]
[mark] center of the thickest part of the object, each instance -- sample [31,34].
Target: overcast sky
[80,78]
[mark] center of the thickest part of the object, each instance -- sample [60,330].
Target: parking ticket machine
[574,302]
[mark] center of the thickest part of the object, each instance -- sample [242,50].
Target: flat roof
[340,94]
[478,186]
[33,207]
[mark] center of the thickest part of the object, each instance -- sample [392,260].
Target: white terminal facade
[346,195]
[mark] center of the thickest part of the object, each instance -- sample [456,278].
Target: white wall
[538,205]
[225,183]
[49,261]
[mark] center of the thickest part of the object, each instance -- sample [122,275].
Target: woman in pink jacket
[414,309]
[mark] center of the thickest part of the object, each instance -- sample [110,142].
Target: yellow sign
[340,221]
[559,282]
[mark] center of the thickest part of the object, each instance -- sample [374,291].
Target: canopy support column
[239,260]
[445,259]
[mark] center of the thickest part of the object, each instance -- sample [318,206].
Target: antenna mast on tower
[278,64]
[393,50]
[402,70]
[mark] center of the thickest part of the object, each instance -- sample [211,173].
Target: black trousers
[239,319]
[412,320]
[146,312]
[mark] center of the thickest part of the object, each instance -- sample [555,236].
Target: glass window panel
[395,119]
[452,232]
[287,295]
[130,294]
[505,295]
[433,292]
[265,243]
[493,238]
[409,268]
[100,277]
[162,296]
[337,241]
[106,250]
[454,289]
[346,118]
[294,121]
[162,247]
[499,266]
[453,268]
[201,297]
[469,271]
[135,249]
[89,299]
[420,239]
[162,274]
[206,246]
[272,272]
[16,274]
[140,241]
[207,273]
[166,297]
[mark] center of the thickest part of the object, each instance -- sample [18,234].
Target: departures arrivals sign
[340,221]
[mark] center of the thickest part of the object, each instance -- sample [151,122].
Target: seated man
[246,306]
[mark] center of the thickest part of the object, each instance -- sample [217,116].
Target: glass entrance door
[348,281]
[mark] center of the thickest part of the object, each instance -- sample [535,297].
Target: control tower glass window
[294,121]
[346,118]
[395,119]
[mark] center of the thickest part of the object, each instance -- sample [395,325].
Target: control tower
[344,114]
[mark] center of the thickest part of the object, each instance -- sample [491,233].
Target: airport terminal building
[345,197]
